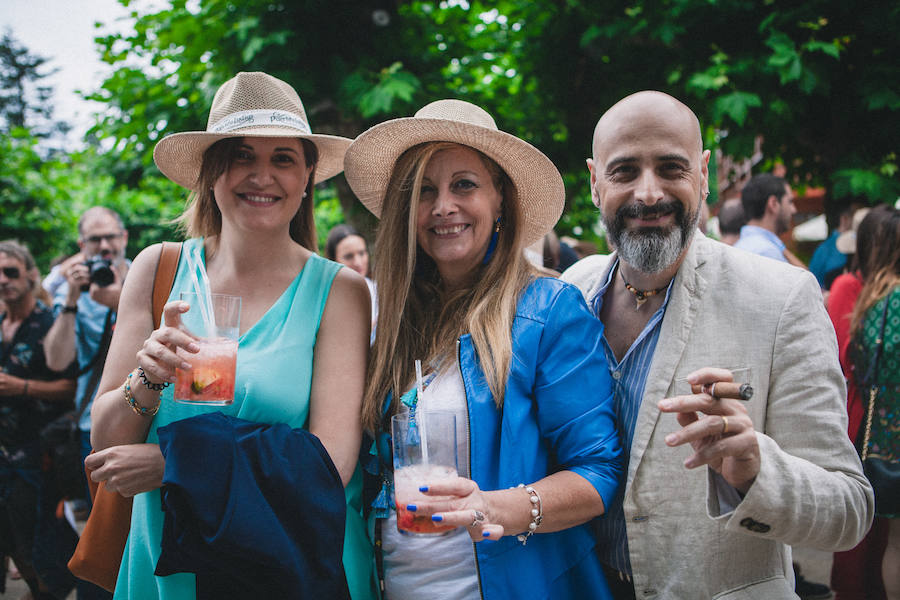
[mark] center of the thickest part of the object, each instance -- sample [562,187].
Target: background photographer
[86,303]
[85,307]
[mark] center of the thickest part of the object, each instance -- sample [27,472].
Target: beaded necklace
[641,296]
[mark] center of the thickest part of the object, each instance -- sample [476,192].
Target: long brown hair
[202,217]
[878,248]
[417,317]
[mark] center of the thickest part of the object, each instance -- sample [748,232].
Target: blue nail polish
[423,489]
[411,507]
[437,518]
[486,533]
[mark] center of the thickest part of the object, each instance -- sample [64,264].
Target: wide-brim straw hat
[249,104]
[370,160]
[846,242]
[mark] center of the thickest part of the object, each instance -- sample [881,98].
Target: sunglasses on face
[11,272]
[109,237]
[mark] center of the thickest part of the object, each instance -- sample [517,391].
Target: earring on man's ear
[304,195]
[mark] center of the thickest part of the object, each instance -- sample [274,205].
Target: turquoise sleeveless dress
[274,377]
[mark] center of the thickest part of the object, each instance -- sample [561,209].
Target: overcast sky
[63,31]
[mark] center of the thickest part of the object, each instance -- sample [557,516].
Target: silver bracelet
[537,513]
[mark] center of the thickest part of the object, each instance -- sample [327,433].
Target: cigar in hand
[724,389]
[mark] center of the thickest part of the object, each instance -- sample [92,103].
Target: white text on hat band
[249,118]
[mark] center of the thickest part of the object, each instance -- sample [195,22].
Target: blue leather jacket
[557,415]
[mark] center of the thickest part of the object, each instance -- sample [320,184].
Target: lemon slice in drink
[203,378]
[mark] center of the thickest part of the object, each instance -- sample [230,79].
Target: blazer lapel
[681,315]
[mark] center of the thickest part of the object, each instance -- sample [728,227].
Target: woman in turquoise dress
[876,322]
[304,324]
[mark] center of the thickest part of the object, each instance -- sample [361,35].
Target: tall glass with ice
[424,451]
[215,323]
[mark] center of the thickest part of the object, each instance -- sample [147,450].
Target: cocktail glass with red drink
[424,451]
[210,380]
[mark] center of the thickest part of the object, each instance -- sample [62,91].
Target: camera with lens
[100,270]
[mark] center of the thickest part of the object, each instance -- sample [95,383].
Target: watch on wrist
[70,309]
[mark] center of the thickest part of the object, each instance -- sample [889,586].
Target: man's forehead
[656,146]
[6,258]
[650,120]
[101,224]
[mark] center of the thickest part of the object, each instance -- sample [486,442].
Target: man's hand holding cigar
[715,422]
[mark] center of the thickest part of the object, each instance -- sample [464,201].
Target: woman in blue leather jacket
[517,357]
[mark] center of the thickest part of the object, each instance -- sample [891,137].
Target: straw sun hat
[248,104]
[370,160]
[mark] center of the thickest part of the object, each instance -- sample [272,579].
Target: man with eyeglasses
[31,395]
[85,304]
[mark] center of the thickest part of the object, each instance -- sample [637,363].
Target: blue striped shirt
[629,379]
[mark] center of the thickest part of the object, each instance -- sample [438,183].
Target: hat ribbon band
[250,118]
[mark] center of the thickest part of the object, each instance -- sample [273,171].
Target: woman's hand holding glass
[158,357]
[459,502]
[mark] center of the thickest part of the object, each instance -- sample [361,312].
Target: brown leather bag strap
[165,277]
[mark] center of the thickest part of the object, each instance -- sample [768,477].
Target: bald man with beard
[716,488]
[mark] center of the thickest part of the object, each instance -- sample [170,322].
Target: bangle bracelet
[156,387]
[537,513]
[137,408]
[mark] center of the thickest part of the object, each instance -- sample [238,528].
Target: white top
[373,292]
[440,567]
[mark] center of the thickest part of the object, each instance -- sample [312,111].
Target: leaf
[865,182]
[252,49]
[832,49]
[883,98]
[711,79]
[736,105]
[783,51]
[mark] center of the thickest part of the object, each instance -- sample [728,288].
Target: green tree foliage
[334,53]
[44,190]
[818,79]
[24,102]
[34,180]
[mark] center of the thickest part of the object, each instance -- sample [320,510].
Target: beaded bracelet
[137,408]
[537,513]
[156,387]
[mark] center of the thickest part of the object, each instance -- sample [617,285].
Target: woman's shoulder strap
[169,255]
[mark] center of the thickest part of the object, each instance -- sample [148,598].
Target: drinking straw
[201,288]
[420,392]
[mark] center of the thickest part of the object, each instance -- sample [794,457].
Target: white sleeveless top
[439,568]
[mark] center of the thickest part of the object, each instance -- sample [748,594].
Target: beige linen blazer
[729,308]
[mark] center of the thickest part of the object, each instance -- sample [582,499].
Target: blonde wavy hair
[417,317]
[202,217]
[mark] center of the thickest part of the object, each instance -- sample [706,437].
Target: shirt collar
[597,300]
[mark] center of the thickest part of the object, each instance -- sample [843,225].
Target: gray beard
[653,250]
[650,252]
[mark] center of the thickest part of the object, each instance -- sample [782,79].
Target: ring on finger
[724,424]
[477,517]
